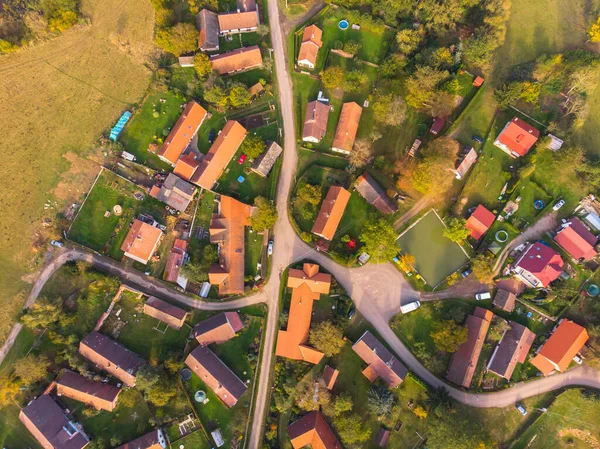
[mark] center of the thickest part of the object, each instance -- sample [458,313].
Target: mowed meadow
[55,100]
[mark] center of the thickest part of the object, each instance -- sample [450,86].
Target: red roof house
[564,344]
[312,429]
[175,260]
[517,138]
[538,266]
[437,125]
[480,221]
[576,239]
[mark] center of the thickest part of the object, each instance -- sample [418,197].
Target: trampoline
[501,236]
[343,24]
[186,374]
[593,290]
[241,179]
[538,204]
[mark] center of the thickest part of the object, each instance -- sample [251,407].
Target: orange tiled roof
[311,42]
[331,212]
[381,362]
[564,344]
[222,150]
[186,166]
[307,286]
[312,429]
[237,60]
[185,128]
[480,221]
[330,376]
[141,241]
[227,230]
[234,21]
[347,127]
[518,136]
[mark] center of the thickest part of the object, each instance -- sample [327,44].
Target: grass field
[106,234]
[436,256]
[143,127]
[57,97]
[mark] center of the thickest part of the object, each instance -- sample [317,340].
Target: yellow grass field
[55,100]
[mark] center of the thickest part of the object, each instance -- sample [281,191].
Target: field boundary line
[86,197]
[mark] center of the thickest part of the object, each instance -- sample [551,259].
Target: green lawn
[13,434]
[106,234]
[140,334]
[529,192]
[476,119]
[205,209]
[213,124]
[144,129]
[239,41]
[235,354]
[252,186]
[253,253]
[436,256]
[194,440]
[567,419]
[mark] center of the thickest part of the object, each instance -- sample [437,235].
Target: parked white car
[270,248]
[558,205]
[406,308]
[57,243]
[577,360]
[481,296]
[521,409]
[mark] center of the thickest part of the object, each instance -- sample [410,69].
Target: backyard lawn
[144,128]
[106,234]
[245,190]
[194,440]
[253,254]
[436,256]
[529,192]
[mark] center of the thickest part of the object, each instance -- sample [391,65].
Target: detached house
[153,440]
[307,286]
[165,312]
[517,138]
[218,328]
[47,422]
[314,431]
[227,230]
[111,357]
[331,212]
[207,24]
[183,132]
[236,61]
[368,188]
[347,128]
[563,345]
[141,241]
[238,22]
[175,192]
[177,256]
[512,349]
[381,362]
[480,222]
[315,121]
[311,42]
[99,395]
[577,240]
[538,266]
[265,162]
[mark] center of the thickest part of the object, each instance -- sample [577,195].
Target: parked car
[481,296]
[351,313]
[242,159]
[406,308]
[558,205]
[466,272]
[57,243]
[477,139]
[521,409]
[211,137]
[270,248]
[577,360]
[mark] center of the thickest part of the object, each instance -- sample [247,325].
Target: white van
[410,307]
[481,296]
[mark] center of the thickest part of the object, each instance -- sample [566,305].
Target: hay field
[55,99]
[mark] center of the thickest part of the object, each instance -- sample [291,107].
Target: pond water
[436,256]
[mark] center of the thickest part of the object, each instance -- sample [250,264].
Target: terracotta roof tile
[480,222]
[152,440]
[141,241]
[175,260]
[185,128]
[311,42]
[315,121]
[237,60]
[312,429]
[331,212]
[382,363]
[564,344]
[518,136]
[186,166]
[347,127]
[234,21]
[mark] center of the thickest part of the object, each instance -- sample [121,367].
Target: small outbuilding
[382,437]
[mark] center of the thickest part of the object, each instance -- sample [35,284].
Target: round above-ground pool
[593,290]
[538,204]
[200,396]
[501,236]
[343,24]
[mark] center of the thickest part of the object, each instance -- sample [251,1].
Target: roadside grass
[234,353]
[143,128]
[62,104]
[253,254]
[144,335]
[106,234]
[565,424]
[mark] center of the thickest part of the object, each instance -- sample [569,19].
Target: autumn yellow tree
[594,31]
[406,262]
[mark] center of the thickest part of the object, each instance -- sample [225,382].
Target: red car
[242,159]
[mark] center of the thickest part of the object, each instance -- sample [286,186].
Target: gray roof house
[512,349]
[264,163]
[207,24]
[176,192]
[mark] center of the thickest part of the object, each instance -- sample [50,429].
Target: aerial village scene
[279,224]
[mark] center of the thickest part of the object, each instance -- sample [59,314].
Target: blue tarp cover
[114,133]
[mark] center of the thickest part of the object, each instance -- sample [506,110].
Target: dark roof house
[99,395]
[464,360]
[207,24]
[50,426]
[165,312]
[315,121]
[218,328]
[216,375]
[264,163]
[505,300]
[512,349]
[381,362]
[382,437]
[112,357]
[175,192]
[175,260]
[374,194]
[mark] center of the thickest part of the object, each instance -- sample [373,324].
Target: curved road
[377,290]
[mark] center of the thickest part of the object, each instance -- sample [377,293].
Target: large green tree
[422,86]
[196,270]
[433,174]
[448,336]
[456,230]
[179,39]
[239,96]
[264,215]
[43,313]
[352,429]
[202,65]
[379,238]
[483,268]
[380,400]
[32,369]
[332,77]
[310,193]
[327,338]
[253,146]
